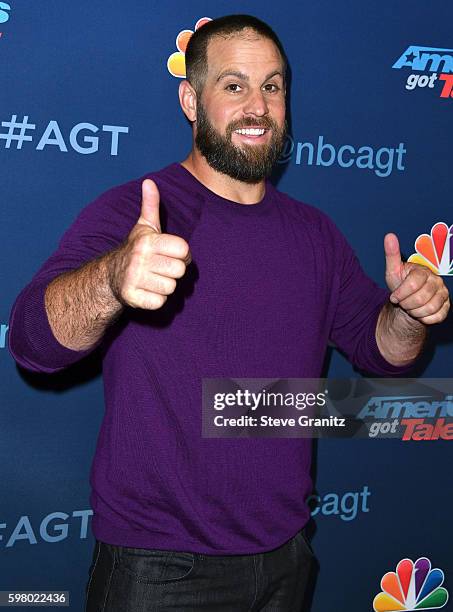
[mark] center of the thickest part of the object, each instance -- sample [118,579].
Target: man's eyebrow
[236,73]
[272,74]
[245,77]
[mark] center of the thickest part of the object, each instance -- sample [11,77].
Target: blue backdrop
[87,102]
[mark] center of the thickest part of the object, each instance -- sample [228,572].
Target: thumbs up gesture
[415,288]
[145,268]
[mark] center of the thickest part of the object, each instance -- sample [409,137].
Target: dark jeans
[140,580]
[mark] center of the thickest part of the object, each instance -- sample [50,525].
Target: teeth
[251,131]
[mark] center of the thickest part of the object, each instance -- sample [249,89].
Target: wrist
[111,265]
[405,325]
[399,336]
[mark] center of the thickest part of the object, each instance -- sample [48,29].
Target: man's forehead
[241,52]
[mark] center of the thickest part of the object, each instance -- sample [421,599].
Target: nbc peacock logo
[4,13]
[435,250]
[414,586]
[176,63]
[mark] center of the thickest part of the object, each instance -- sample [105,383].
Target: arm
[141,273]
[80,305]
[86,284]
[419,298]
[363,311]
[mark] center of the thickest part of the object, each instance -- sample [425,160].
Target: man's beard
[249,163]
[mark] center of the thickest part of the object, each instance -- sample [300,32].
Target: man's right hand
[143,271]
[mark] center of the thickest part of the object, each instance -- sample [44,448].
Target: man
[204,269]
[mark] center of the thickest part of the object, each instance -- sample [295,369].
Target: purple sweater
[269,285]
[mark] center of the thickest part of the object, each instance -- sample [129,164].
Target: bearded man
[204,269]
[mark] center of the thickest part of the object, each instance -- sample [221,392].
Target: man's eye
[233,87]
[271,87]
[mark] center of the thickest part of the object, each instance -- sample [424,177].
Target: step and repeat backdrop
[88,100]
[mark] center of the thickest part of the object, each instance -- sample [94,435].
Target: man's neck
[222,184]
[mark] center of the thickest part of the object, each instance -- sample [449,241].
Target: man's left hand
[417,290]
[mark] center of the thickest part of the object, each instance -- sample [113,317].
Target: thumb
[149,214]
[393,262]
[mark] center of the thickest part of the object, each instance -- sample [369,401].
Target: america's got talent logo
[433,68]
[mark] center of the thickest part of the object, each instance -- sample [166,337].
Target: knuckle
[152,301]
[159,285]
[155,242]
[131,299]
[127,295]
[144,246]
[432,308]
[158,301]
[168,265]
[184,248]
[435,281]
[178,269]
[427,320]
[420,300]
[157,264]
[413,284]
[165,286]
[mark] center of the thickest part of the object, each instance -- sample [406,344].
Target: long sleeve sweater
[270,284]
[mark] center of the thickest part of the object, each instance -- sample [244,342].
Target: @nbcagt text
[253,401]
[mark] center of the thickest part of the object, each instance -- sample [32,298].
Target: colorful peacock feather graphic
[176,63]
[435,250]
[414,586]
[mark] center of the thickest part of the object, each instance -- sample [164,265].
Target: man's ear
[188,100]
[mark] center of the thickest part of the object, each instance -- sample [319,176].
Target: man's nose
[256,104]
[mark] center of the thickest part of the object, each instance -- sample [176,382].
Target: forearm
[80,304]
[400,337]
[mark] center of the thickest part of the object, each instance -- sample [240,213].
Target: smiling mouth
[251,132]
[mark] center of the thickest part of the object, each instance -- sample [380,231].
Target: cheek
[219,116]
[224,109]
[279,112]
[226,118]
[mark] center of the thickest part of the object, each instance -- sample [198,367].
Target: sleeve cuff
[42,351]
